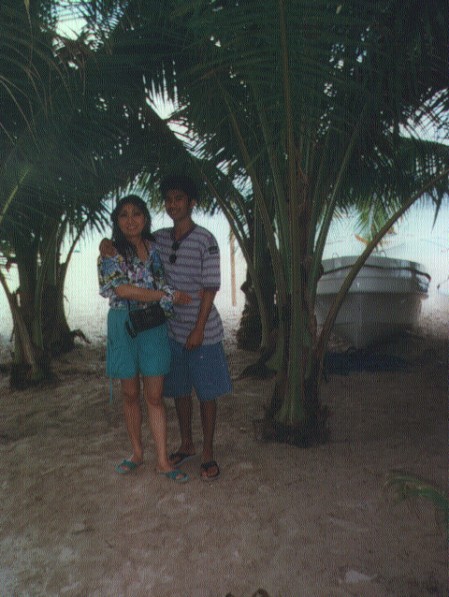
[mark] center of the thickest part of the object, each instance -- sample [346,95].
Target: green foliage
[288,112]
[63,146]
[296,110]
[408,486]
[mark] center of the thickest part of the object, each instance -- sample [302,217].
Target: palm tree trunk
[27,368]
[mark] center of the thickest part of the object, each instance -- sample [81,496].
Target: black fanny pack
[144,319]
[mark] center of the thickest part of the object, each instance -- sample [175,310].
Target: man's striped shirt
[195,268]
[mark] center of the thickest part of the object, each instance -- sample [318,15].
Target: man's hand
[107,249]
[195,338]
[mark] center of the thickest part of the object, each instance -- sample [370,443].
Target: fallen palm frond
[407,485]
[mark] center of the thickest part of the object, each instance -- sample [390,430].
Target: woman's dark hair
[123,246]
[180,182]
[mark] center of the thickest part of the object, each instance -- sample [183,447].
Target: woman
[130,279]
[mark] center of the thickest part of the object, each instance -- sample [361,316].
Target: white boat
[383,300]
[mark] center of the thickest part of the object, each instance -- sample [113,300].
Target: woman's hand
[181,298]
[107,249]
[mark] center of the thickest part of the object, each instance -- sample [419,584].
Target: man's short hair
[180,182]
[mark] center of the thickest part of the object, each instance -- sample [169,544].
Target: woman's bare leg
[130,389]
[152,391]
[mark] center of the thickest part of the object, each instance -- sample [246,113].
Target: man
[191,259]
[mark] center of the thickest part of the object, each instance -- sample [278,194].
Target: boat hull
[384,299]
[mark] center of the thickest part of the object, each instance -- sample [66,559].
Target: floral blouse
[116,271]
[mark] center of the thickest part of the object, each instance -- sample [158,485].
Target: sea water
[86,310]
[416,238]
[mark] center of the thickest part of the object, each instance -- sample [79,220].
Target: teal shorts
[147,354]
[203,369]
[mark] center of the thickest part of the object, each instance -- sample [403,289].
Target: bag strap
[128,324]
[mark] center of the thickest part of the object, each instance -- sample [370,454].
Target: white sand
[298,523]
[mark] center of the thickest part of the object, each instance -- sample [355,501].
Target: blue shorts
[203,369]
[147,354]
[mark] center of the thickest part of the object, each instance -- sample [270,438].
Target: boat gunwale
[374,262]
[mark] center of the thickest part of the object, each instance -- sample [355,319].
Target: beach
[315,522]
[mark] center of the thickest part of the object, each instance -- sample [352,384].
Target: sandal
[178,458]
[127,466]
[175,475]
[205,467]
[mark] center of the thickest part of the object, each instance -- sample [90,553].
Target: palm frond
[407,486]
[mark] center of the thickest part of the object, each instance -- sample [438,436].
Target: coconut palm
[307,108]
[315,107]
[62,151]
[27,67]
[71,138]
[126,30]
[328,118]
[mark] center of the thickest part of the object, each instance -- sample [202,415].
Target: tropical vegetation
[49,176]
[295,111]
[287,112]
[64,151]
[407,486]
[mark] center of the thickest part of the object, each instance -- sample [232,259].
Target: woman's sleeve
[158,273]
[110,275]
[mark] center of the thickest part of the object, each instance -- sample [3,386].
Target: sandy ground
[297,523]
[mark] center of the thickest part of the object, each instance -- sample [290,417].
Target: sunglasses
[173,257]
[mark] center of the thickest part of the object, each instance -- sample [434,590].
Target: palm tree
[126,29]
[27,67]
[317,107]
[62,151]
[71,138]
[306,108]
